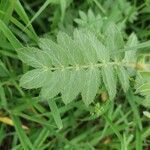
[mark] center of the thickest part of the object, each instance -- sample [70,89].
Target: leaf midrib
[97,65]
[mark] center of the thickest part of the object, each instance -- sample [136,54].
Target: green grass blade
[3,100]
[21,12]
[55,113]
[138,140]
[114,128]
[131,99]
[47,2]
[9,35]
[9,11]
[26,144]
[41,138]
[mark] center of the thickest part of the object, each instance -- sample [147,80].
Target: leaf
[73,86]
[25,141]
[72,50]
[91,15]
[55,113]
[130,56]
[131,99]
[35,78]
[10,36]
[109,80]
[143,87]
[73,66]
[83,15]
[90,21]
[91,85]
[52,87]
[35,57]
[3,70]
[123,78]
[86,48]
[147,114]
[114,40]
[55,51]
[97,46]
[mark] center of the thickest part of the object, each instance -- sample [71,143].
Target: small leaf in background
[147,114]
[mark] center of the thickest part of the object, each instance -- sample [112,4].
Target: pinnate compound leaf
[73,66]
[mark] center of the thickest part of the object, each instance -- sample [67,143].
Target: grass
[27,122]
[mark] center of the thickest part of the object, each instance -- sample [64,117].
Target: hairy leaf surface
[73,66]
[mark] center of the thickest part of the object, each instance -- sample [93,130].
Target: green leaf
[73,66]
[52,87]
[43,135]
[86,48]
[72,49]
[35,78]
[83,15]
[73,86]
[144,89]
[131,99]
[114,40]
[101,51]
[55,113]
[3,99]
[25,142]
[130,56]
[91,85]
[123,78]
[35,57]
[10,36]
[3,70]
[56,52]
[90,21]
[22,14]
[109,80]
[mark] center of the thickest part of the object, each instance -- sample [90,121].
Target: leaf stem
[98,65]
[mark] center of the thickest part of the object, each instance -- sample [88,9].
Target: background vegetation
[29,122]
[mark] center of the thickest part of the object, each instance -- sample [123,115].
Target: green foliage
[90,21]
[91,53]
[78,65]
